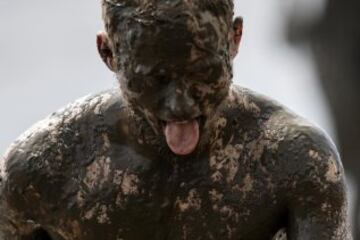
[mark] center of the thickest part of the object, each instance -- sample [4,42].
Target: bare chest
[124,195]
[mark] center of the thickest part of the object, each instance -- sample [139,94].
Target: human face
[173,60]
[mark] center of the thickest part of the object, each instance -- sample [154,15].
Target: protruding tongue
[182,138]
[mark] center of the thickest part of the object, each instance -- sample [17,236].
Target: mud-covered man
[178,152]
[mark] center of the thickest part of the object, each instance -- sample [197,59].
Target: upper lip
[177,120]
[199,118]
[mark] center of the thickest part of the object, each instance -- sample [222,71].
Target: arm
[14,227]
[13,224]
[317,200]
[21,171]
[40,170]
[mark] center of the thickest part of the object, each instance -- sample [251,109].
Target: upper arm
[24,169]
[39,171]
[317,196]
[14,222]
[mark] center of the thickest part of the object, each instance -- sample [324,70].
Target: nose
[181,106]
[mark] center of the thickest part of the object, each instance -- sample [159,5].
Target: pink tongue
[182,138]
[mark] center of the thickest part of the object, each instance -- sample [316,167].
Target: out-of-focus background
[304,53]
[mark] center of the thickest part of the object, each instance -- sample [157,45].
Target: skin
[101,168]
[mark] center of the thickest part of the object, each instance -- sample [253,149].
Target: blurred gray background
[48,58]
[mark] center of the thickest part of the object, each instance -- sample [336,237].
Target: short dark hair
[118,9]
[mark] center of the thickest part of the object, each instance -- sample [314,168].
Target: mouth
[182,137]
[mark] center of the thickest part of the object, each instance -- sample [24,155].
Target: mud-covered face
[172,58]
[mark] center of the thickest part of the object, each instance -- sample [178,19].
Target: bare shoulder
[52,153]
[301,150]
[305,151]
[292,160]
[61,129]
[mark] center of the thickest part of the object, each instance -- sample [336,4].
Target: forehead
[197,16]
[127,8]
[174,31]
[173,3]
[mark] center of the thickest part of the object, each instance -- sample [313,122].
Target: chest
[210,205]
[124,195]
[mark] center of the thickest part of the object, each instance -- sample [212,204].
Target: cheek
[215,88]
[149,98]
[210,94]
[135,86]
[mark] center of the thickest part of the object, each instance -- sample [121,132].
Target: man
[178,153]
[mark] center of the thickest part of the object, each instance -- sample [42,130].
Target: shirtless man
[178,152]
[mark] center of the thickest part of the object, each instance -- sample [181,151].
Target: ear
[236,36]
[105,50]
